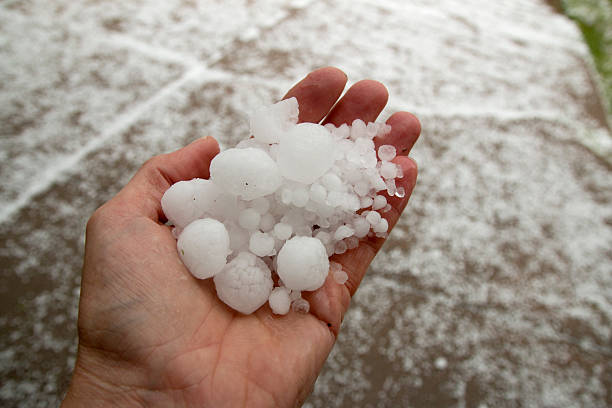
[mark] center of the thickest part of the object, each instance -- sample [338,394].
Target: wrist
[97,382]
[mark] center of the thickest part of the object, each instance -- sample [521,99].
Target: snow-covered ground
[495,289]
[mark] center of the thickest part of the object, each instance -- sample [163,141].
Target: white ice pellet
[340,277]
[391,188]
[203,247]
[362,188]
[267,222]
[261,243]
[279,300]
[361,226]
[261,205]
[332,182]
[373,217]
[388,170]
[300,197]
[366,202]
[340,247]
[269,123]
[302,263]
[187,201]
[247,173]
[324,237]
[300,306]
[334,267]
[386,153]
[318,193]
[381,226]
[305,152]
[283,231]
[352,242]
[342,232]
[379,202]
[249,219]
[400,192]
[245,283]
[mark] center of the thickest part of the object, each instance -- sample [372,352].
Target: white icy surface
[501,265]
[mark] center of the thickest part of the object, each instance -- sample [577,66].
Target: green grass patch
[594,17]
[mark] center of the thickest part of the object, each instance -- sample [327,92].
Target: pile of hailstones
[284,200]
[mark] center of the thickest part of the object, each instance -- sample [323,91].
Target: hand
[152,335]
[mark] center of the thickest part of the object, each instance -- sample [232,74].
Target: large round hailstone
[245,283]
[302,263]
[204,246]
[189,200]
[270,122]
[248,173]
[306,152]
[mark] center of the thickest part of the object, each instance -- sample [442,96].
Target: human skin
[152,335]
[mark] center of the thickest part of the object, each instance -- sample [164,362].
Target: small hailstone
[203,247]
[358,129]
[352,242]
[280,301]
[379,202]
[373,217]
[340,277]
[269,123]
[334,267]
[440,363]
[361,226]
[400,192]
[381,226]
[300,306]
[324,237]
[399,172]
[283,231]
[186,201]
[332,182]
[342,232]
[245,283]
[340,247]
[295,295]
[388,170]
[286,196]
[261,243]
[247,173]
[366,202]
[267,222]
[261,205]
[305,152]
[387,208]
[391,188]
[362,188]
[303,263]
[318,193]
[249,219]
[300,197]
[386,153]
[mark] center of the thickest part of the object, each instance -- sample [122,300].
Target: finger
[364,100]
[405,130]
[317,93]
[330,302]
[142,195]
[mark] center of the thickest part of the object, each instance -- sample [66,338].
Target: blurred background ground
[495,289]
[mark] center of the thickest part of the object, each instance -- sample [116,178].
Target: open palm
[152,335]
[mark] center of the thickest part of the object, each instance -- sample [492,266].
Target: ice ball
[189,200]
[247,173]
[270,122]
[306,152]
[302,263]
[279,300]
[203,247]
[245,283]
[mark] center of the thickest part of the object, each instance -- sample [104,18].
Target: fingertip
[405,130]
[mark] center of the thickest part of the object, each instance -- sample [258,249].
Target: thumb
[142,195]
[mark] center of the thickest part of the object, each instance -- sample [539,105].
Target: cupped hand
[152,335]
